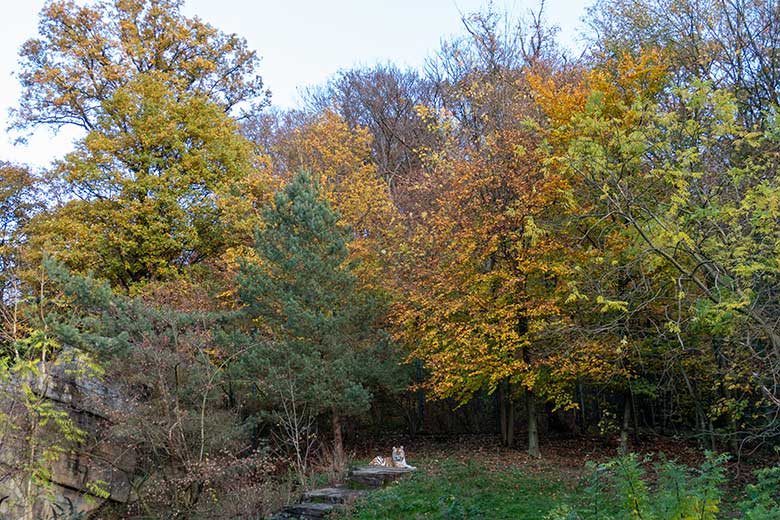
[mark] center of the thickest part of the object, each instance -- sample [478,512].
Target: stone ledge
[333,495]
[308,511]
[319,502]
[375,476]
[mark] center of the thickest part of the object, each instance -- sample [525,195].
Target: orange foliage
[341,156]
[483,271]
[613,89]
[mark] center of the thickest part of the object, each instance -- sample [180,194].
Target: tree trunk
[506,413]
[338,443]
[583,424]
[733,433]
[501,399]
[420,397]
[623,448]
[701,417]
[725,392]
[533,431]
[510,417]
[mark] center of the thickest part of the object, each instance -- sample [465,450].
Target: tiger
[396,460]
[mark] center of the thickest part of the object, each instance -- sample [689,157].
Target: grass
[452,489]
[471,478]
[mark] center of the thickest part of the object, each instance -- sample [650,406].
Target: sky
[301,43]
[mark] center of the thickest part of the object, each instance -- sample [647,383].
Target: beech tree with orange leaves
[484,270]
[484,281]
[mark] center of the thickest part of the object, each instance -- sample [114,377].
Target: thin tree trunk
[701,417]
[725,392]
[510,418]
[338,443]
[713,440]
[501,399]
[533,431]
[733,433]
[583,425]
[420,397]
[623,448]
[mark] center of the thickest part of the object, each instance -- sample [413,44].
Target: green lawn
[450,489]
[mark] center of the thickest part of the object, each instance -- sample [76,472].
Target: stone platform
[360,480]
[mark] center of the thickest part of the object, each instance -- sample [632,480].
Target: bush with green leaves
[763,497]
[622,489]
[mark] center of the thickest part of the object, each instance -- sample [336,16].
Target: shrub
[621,489]
[763,497]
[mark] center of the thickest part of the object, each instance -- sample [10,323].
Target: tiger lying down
[396,460]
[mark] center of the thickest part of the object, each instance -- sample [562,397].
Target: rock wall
[82,476]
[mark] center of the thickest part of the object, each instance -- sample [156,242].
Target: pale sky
[301,43]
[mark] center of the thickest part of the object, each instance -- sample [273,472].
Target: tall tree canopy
[154,91]
[84,54]
[19,201]
[732,43]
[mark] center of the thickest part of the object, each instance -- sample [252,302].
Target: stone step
[308,511]
[333,495]
[362,477]
[318,503]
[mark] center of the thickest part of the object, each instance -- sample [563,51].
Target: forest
[514,256]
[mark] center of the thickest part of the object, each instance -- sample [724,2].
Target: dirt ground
[567,455]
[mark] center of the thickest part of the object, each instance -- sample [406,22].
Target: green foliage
[19,202]
[147,181]
[680,196]
[186,438]
[315,325]
[620,489]
[763,497]
[616,490]
[40,430]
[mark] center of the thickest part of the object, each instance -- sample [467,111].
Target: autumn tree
[477,76]
[20,200]
[341,157]
[484,279]
[84,54]
[729,43]
[383,100]
[154,93]
[667,170]
[483,265]
[315,326]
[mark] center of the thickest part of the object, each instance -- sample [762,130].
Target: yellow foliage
[341,156]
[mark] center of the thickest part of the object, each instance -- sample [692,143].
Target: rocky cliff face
[77,477]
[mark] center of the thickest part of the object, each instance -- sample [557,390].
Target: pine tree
[314,324]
